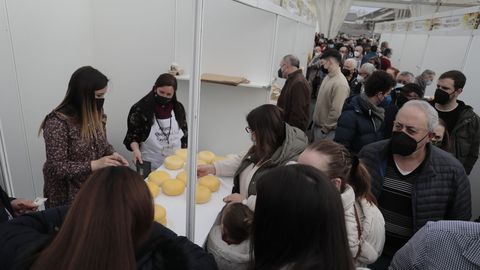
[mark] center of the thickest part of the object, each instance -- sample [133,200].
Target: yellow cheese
[160,215]
[154,189]
[218,158]
[173,187]
[211,182]
[182,176]
[163,221]
[157,177]
[206,156]
[182,153]
[202,194]
[173,162]
[199,162]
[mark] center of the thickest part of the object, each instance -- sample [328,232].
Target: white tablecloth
[205,214]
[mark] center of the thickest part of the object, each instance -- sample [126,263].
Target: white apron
[163,140]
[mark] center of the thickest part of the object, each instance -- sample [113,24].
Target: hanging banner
[465,22]
[421,25]
[472,20]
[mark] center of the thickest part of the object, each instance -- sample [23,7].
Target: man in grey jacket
[413,181]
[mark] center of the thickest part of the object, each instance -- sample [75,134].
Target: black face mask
[441,97]
[346,72]
[162,100]
[280,74]
[99,102]
[401,100]
[402,144]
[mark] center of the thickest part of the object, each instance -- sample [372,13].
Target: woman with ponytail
[364,221]
[229,242]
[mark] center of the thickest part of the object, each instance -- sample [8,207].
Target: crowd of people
[352,168]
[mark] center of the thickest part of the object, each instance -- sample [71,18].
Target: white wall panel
[237,40]
[285,40]
[51,39]
[11,115]
[133,45]
[396,42]
[412,54]
[444,53]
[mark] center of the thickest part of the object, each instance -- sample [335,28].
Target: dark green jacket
[295,142]
[465,137]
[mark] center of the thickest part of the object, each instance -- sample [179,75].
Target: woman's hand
[137,156]
[23,206]
[113,160]
[234,198]
[120,158]
[203,170]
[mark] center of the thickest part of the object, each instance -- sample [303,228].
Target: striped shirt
[395,204]
[441,245]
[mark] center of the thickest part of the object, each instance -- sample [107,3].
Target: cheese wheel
[202,194]
[160,215]
[173,163]
[182,153]
[182,176]
[154,189]
[157,177]
[199,162]
[211,182]
[173,187]
[206,156]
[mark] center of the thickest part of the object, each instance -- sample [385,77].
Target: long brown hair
[298,222]
[345,166]
[111,216]
[266,121]
[79,104]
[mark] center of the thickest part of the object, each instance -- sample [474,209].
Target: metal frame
[5,168]
[193,118]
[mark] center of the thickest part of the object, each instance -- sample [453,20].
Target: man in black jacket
[414,182]
[463,124]
[11,207]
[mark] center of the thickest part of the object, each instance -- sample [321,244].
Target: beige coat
[372,226]
[331,96]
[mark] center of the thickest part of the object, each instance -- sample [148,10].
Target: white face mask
[429,82]
[360,78]
[357,54]
[399,85]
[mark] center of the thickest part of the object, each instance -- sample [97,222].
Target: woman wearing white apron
[157,124]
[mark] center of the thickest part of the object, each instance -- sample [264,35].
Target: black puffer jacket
[23,238]
[441,191]
[358,125]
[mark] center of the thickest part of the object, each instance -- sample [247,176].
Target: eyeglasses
[248,130]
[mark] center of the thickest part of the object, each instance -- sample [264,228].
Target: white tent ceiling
[332,13]
[404,4]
